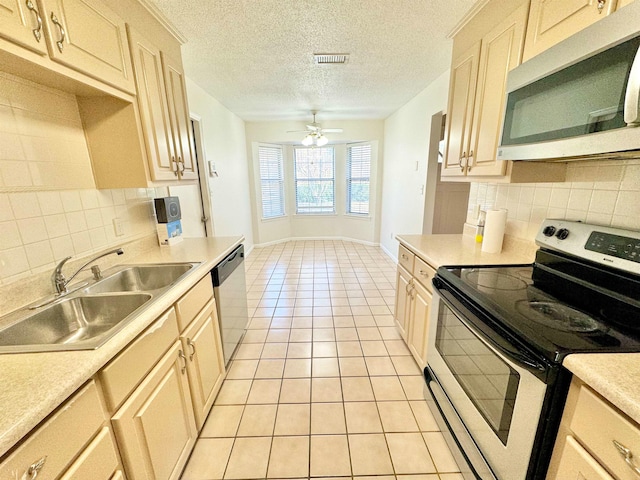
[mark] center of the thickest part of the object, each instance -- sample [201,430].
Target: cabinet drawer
[98,461]
[405,258]
[597,424]
[193,301]
[577,463]
[423,273]
[60,438]
[127,370]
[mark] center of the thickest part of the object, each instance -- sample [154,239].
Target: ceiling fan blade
[297,131]
[332,130]
[313,128]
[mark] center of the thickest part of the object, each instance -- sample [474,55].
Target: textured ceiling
[256,56]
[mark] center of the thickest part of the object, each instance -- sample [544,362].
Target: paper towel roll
[494,226]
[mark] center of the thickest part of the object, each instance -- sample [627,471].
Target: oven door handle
[504,347]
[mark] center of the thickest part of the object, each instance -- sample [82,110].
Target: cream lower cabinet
[76,442]
[403,301]
[419,323]
[155,427]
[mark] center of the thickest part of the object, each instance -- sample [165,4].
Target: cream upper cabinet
[89,37]
[22,23]
[551,21]
[476,99]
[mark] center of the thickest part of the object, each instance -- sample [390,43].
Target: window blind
[271,180]
[315,180]
[358,179]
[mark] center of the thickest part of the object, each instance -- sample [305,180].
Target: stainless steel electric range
[498,336]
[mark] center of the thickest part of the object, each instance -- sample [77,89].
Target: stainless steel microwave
[580,98]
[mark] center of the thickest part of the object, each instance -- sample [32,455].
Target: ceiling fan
[315,133]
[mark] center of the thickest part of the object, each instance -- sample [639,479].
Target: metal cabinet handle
[63,34]
[35,468]
[37,32]
[181,167]
[184,359]
[193,348]
[461,163]
[628,457]
[174,164]
[404,257]
[423,273]
[470,161]
[601,4]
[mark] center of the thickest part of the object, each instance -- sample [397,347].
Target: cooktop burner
[494,280]
[558,316]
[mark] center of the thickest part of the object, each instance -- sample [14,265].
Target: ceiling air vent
[330,58]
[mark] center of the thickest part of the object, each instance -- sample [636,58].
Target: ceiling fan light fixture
[307,141]
[321,140]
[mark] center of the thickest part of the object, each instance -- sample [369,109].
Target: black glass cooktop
[549,313]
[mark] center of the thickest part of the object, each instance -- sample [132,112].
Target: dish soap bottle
[480,226]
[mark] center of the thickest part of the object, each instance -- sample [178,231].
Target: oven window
[487,380]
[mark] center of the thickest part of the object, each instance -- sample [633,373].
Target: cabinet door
[98,461]
[21,22]
[464,74]
[577,463]
[154,111]
[551,21]
[155,427]
[180,120]
[419,323]
[623,3]
[403,280]
[203,347]
[87,36]
[500,52]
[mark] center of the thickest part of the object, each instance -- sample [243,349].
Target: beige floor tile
[413,387]
[234,392]
[325,367]
[344,321]
[264,392]
[374,348]
[281,322]
[249,458]
[327,418]
[324,335]
[384,321]
[223,421]
[423,416]
[242,369]
[347,334]
[357,389]
[406,366]
[302,322]
[297,368]
[427,476]
[397,417]
[389,333]
[440,452]
[379,366]
[322,311]
[352,367]
[300,335]
[278,335]
[293,419]
[341,310]
[274,350]
[255,336]
[362,417]
[326,390]
[322,321]
[377,477]
[299,350]
[324,349]
[270,368]
[258,323]
[369,455]
[289,457]
[409,453]
[369,333]
[387,388]
[396,347]
[295,390]
[449,476]
[209,459]
[349,349]
[248,351]
[330,455]
[257,421]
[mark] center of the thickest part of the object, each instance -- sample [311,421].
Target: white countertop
[34,384]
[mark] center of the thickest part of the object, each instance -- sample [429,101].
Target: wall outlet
[391,235]
[117,227]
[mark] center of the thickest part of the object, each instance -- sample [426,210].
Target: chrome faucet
[60,282]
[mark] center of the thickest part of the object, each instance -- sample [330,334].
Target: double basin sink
[88,317]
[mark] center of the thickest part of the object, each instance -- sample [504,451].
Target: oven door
[490,386]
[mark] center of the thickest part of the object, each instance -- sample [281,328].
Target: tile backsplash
[49,206]
[600,192]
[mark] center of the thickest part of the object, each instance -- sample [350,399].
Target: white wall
[406,150]
[317,226]
[224,144]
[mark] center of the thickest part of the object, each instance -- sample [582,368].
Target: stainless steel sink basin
[78,323]
[140,278]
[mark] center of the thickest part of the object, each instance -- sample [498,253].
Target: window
[271,180]
[315,180]
[358,179]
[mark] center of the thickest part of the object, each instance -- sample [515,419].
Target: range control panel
[614,245]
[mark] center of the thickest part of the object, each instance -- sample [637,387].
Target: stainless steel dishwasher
[230,291]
